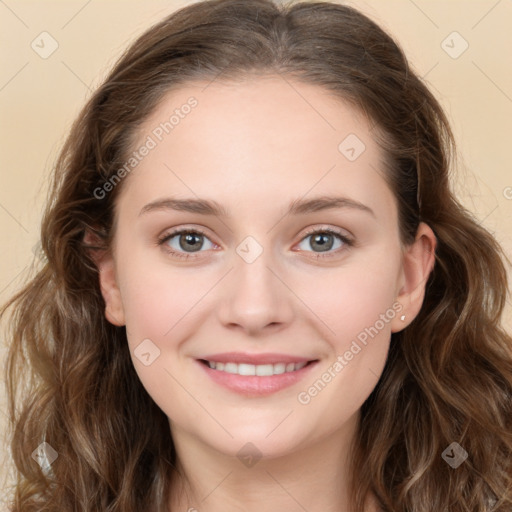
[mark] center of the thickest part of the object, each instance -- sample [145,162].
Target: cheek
[159,312]
[157,305]
[351,298]
[356,304]
[363,299]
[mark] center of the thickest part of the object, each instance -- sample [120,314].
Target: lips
[256,374]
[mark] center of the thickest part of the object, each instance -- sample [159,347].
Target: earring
[402,318]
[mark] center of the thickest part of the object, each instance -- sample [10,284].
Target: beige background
[39,98]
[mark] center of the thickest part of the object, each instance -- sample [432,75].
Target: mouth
[260,370]
[256,375]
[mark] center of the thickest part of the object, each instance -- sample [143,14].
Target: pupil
[189,239]
[320,240]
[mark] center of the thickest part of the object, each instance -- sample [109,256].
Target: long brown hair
[448,377]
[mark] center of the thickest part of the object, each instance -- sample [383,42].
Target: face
[257,264]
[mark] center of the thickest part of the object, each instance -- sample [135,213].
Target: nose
[255,298]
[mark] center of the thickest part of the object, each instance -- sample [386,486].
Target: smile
[256,374]
[261,370]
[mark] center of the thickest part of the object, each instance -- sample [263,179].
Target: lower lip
[253,385]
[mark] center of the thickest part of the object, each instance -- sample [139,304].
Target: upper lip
[267,358]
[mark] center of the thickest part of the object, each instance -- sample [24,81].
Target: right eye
[179,241]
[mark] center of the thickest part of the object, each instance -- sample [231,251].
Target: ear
[418,262]
[104,262]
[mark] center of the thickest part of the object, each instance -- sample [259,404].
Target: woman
[261,373]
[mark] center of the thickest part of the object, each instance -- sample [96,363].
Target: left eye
[324,240]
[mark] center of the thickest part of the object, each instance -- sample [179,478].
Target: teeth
[246,369]
[264,370]
[279,368]
[230,367]
[261,370]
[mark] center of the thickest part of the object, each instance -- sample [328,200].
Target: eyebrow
[296,207]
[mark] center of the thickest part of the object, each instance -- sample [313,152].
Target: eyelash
[196,231]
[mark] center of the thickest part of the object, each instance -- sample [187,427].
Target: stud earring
[402,318]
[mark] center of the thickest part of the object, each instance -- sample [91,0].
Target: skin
[254,146]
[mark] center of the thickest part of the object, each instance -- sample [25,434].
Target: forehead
[259,112]
[269,137]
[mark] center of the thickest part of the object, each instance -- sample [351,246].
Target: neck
[314,477]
